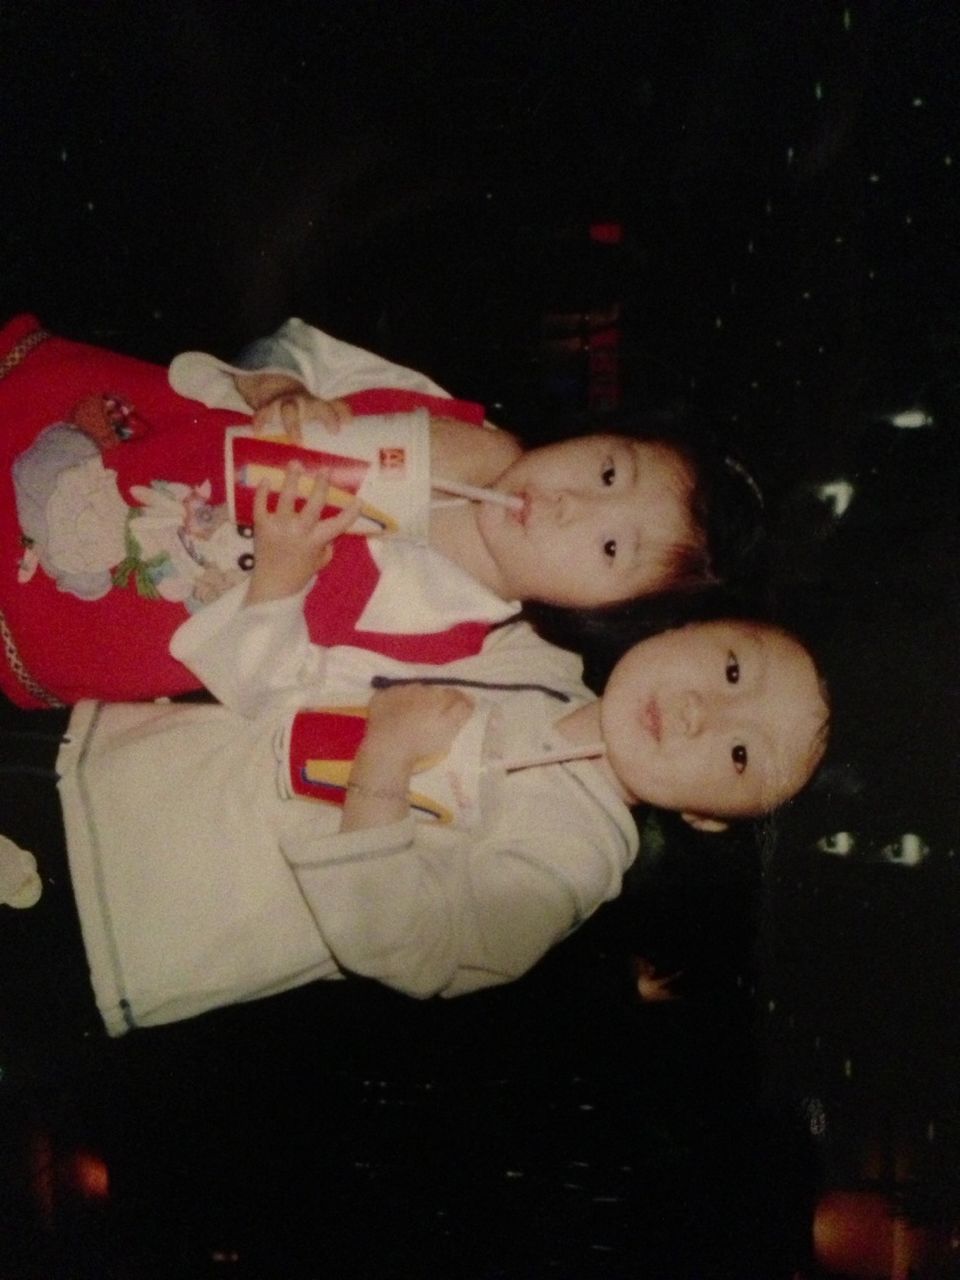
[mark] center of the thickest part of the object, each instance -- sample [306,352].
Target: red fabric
[395,400]
[321,740]
[339,597]
[323,746]
[116,648]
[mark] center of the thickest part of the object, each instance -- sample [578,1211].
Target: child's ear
[700,822]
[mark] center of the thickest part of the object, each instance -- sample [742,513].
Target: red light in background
[857,1234]
[606,232]
[90,1175]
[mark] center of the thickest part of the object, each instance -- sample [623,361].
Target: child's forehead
[635,453]
[600,442]
[686,652]
[640,445]
[645,461]
[694,635]
[768,659]
[605,441]
[800,746]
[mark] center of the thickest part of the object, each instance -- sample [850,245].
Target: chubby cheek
[692,770]
[633,745]
[493,521]
[556,575]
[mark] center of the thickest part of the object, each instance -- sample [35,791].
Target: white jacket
[200,884]
[325,365]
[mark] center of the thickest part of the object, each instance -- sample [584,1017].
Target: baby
[438,837]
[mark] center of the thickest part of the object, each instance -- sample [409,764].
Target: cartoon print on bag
[70,510]
[107,420]
[180,546]
[76,526]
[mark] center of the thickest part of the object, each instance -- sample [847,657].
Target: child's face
[715,720]
[601,516]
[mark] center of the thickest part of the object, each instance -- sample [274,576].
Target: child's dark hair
[603,636]
[727,511]
[688,906]
[729,528]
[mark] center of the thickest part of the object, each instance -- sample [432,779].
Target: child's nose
[692,713]
[569,507]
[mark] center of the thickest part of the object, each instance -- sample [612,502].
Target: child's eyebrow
[753,648]
[784,763]
[631,448]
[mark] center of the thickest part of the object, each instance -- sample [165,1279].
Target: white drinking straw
[476,494]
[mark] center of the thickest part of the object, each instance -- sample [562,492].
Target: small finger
[260,496]
[325,413]
[342,412]
[290,488]
[339,523]
[317,496]
[290,418]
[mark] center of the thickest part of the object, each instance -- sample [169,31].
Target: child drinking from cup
[117,526]
[595,521]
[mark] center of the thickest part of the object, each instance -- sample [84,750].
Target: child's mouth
[653,719]
[522,514]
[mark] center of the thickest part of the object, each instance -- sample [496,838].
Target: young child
[117,528]
[206,871]
[606,518]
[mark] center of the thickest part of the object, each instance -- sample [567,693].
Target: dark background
[423,179]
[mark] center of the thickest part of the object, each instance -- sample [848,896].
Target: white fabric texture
[326,366]
[199,884]
[419,592]
[20,885]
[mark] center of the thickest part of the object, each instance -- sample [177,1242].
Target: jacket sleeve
[433,912]
[326,366]
[250,656]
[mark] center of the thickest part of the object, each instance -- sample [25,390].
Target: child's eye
[608,472]
[732,669]
[610,548]
[739,757]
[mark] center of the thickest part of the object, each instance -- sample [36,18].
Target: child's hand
[288,413]
[290,546]
[406,725]
[413,722]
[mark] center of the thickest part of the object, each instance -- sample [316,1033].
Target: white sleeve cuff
[246,655]
[326,366]
[352,846]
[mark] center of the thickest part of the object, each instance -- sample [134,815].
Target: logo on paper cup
[322,744]
[393,462]
[382,460]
